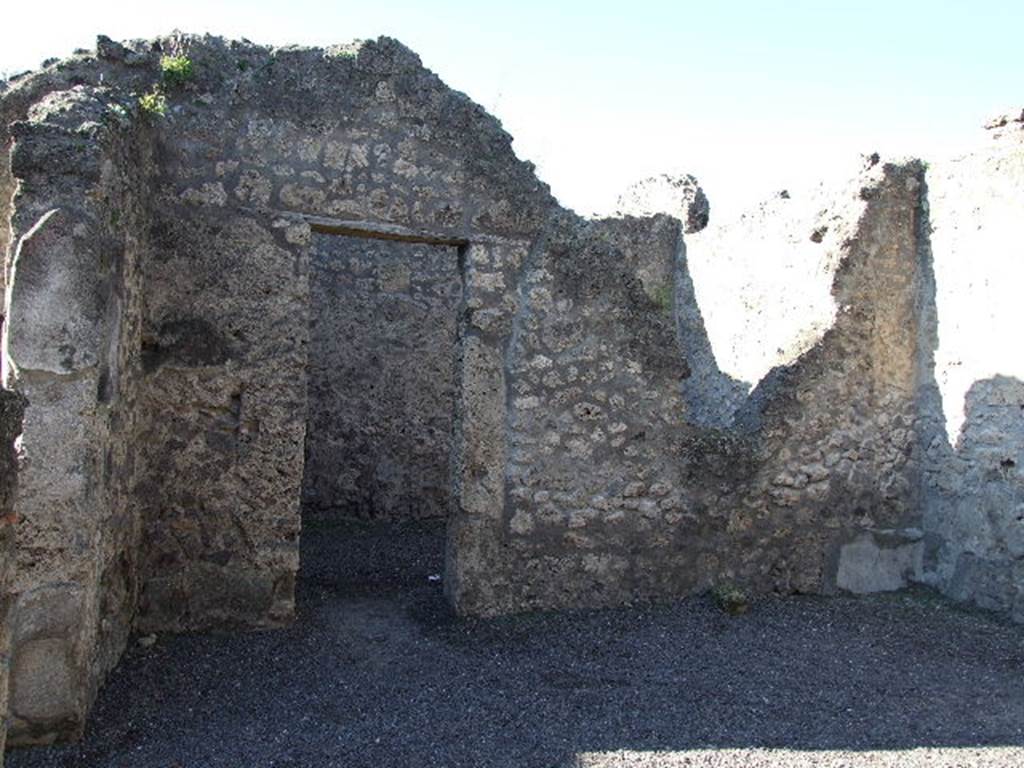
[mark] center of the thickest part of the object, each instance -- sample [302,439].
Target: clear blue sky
[749,96]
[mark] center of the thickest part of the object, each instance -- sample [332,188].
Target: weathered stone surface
[224,354]
[57,298]
[477,577]
[592,374]
[879,563]
[615,491]
[49,676]
[43,686]
[381,378]
[226,337]
[70,348]
[326,264]
[972,432]
[964,427]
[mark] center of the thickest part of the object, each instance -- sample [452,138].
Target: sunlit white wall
[977,215]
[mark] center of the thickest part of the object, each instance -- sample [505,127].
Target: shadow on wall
[381,385]
[974,513]
[972,494]
[969,500]
[686,505]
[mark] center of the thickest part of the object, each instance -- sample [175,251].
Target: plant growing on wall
[153,104]
[176,71]
[662,297]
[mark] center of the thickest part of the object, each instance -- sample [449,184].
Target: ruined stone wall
[71,348]
[14,108]
[381,378]
[224,345]
[591,370]
[164,273]
[763,286]
[973,430]
[837,494]
[7,188]
[606,488]
[827,285]
[965,422]
[124,196]
[258,148]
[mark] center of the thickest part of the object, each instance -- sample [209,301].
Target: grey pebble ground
[375,672]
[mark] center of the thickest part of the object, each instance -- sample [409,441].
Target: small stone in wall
[211,193]
[253,188]
[395,278]
[302,197]
[660,490]
[588,411]
[295,232]
[226,168]
[521,523]
[633,490]
[405,169]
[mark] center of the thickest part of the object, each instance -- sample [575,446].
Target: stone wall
[759,284]
[259,151]
[829,287]
[974,431]
[381,378]
[186,296]
[763,285]
[598,485]
[223,354]
[7,188]
[837,497]
[205,375]
[71,348]
[588,410]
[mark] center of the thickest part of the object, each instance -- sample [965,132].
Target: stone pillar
[475,575]
[54,347]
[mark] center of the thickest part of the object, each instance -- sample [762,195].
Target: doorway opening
[381,399]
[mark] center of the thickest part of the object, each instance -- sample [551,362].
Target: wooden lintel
[328,226]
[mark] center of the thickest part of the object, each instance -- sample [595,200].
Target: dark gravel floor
[375,672]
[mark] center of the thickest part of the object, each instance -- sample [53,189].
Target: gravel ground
[375,672]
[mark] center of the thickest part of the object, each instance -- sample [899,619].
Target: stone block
[47,699]
[879,562]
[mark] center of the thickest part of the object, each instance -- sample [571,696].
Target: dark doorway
[381,393]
